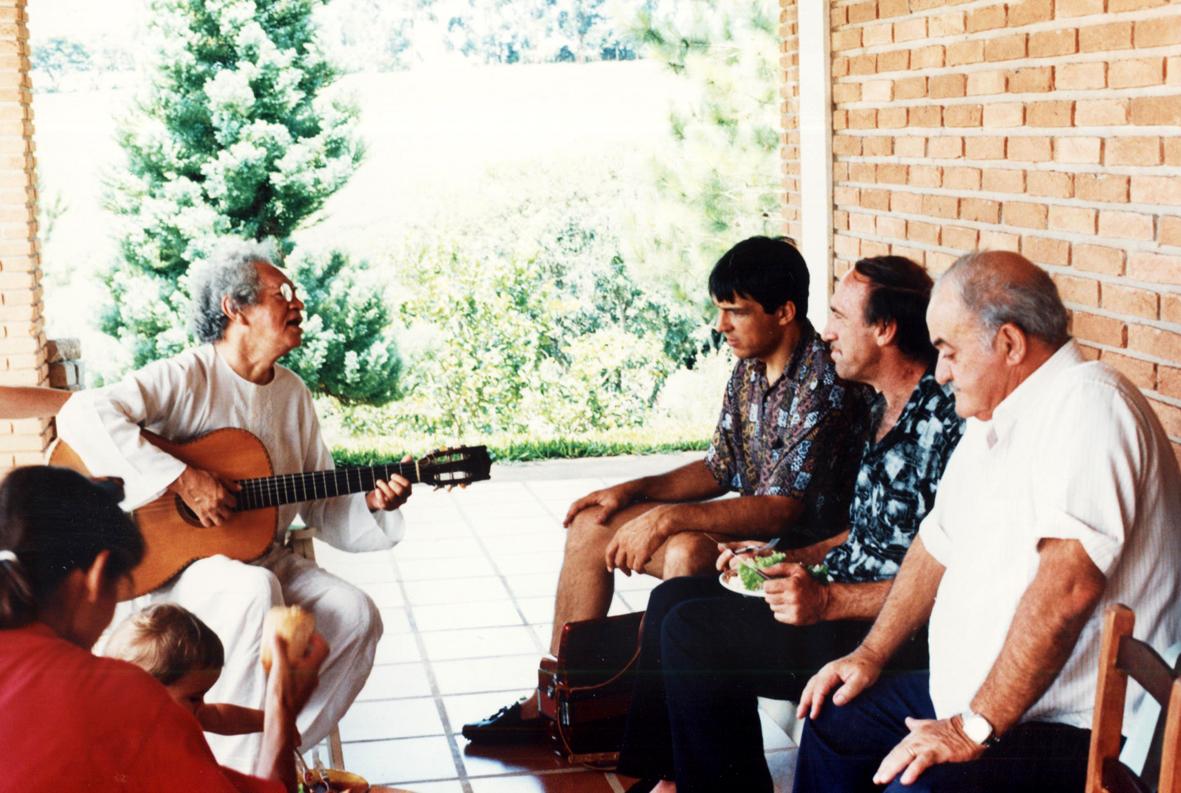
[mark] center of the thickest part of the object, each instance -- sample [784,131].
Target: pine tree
[233,135]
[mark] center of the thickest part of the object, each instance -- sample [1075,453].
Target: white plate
[734,584]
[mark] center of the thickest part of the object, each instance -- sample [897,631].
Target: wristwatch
[978,728]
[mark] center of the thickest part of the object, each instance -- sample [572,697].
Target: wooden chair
[1122,656]
[300,540]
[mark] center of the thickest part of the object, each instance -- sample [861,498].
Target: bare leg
[585,586]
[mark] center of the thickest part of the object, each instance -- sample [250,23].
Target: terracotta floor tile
[396,680]
[494,760]
[572,782]
[476,614]
[403,718]
[504,673]
[463,590]
[478,642]
[401,761]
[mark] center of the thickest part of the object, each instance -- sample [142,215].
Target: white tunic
[194,393]
[197,392]
[1075,452]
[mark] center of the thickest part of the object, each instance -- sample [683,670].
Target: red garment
[71,721]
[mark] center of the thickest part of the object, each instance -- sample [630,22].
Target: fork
[758,548]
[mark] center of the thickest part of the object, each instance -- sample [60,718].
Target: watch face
[977,727]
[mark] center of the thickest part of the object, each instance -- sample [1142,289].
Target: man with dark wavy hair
[786,443]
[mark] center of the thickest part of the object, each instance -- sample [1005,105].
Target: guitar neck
[274,491]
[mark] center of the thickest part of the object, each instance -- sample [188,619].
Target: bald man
[1063,496]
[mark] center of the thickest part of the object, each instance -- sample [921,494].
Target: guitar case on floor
[585,692]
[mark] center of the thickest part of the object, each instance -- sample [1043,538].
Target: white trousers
[232,598]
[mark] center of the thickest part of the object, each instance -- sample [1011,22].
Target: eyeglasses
[287,292]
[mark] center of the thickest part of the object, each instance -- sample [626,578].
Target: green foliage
[58,56]
[721,182]
[348,350]
[521,316]
[374,34]
[234,135]
[524,448]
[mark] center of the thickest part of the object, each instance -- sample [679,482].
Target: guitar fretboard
[274,491]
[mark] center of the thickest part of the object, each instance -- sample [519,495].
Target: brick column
[789,64]
[22,334]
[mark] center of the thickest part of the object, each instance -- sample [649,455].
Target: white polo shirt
[1075,452]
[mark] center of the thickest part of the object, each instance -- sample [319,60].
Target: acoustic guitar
[174,537]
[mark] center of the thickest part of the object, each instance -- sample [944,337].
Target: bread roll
[293,625]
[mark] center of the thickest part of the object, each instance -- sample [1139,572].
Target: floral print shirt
[797,437]
[896,483]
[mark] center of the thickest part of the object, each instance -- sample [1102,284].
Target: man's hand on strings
[389,494]
[210,497]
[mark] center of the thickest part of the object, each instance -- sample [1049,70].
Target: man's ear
[1012,343]
[786,313]
[230,308]
[885,332]
[96,577]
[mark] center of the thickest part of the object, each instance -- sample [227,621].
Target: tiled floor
[467,600]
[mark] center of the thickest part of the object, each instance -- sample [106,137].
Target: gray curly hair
[228,272]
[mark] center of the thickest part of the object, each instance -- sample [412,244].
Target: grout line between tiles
[452,744]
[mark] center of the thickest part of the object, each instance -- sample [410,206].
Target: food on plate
[751,580]
[294,625]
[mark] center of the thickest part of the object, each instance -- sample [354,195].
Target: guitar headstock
[458,466]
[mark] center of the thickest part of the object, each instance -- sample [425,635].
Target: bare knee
[586,536]
[688,553]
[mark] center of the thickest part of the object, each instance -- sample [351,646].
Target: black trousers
[707,655]
[843,747]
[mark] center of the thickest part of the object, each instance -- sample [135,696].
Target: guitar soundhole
[186,514]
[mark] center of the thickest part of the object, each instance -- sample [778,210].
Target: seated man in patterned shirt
[708,654]
[787,442]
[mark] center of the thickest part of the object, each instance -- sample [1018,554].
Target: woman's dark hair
[768,270]
[54,521]
[899,291]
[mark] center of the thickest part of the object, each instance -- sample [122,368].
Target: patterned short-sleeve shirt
[896,484]
[797,437]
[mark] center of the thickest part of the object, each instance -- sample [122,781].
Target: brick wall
[22,335]
[789,64]
[1052,127]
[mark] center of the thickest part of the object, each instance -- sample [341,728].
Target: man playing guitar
[248,314]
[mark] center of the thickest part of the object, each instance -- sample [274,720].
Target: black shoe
[644,785]
[505,726]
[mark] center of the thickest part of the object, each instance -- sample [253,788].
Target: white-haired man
[247,312]
[1062,496]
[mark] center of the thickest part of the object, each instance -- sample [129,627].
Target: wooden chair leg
[300,541]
